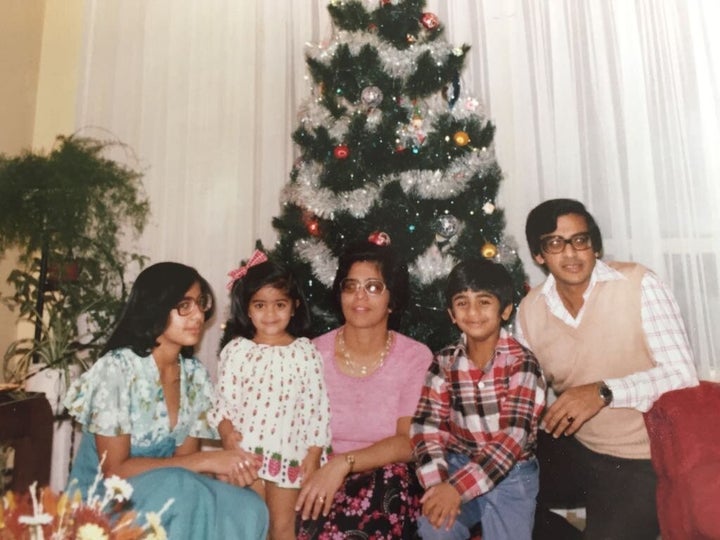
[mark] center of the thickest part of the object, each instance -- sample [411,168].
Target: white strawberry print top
[275,397]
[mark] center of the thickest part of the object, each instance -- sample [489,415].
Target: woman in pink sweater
[373,376]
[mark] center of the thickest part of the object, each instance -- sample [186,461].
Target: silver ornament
[447,226]
[371,96]
[507,251]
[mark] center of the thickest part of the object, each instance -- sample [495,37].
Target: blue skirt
[203,507]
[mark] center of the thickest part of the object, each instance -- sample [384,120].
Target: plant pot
[51,382]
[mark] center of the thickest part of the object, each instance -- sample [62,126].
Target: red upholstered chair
[684,429]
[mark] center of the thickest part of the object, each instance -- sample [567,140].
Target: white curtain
[613,102]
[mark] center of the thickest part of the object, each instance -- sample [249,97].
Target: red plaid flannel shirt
[490,415]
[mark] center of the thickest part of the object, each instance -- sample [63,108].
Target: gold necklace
[361,368]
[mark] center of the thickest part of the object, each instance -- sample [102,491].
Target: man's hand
[572,409]
[441,505]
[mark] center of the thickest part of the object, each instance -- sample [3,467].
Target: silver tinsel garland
[320,258]
[431,265]
[399,63]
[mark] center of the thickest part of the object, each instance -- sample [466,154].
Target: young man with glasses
[610,340]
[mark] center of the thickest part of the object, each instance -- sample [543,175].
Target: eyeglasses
[371,286]
[185,306]
[556,244]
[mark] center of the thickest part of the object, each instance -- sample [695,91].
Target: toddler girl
[271,397]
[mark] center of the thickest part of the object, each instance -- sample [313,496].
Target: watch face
[606,393]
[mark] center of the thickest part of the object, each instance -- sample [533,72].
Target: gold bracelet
[350,460]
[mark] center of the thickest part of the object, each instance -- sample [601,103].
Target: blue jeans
[506,511]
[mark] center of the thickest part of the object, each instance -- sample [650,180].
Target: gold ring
[570,419]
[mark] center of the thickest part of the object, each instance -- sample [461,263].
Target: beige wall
[40,44]
[59,71]
[21,25]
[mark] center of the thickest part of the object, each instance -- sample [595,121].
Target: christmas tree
[390,147]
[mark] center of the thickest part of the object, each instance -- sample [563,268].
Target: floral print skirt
[382,504]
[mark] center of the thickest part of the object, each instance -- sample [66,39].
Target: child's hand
[441,505]
[231,438]
[309,465]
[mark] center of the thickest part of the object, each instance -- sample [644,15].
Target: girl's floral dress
[275,396]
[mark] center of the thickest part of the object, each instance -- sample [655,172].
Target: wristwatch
[605,393]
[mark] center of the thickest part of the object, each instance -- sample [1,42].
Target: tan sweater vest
[608,343]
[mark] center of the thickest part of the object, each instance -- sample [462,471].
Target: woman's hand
[238,467]
[318,489]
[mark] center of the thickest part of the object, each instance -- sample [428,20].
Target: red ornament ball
[313,227]
[341,151]
[430,20]
[379,238]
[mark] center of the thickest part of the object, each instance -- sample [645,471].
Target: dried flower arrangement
[42,514]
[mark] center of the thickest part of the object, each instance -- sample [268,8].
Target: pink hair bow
[256,258]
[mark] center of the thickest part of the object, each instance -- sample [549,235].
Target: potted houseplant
[67,212]
[46,364]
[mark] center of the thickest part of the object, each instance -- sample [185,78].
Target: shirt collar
[500,348]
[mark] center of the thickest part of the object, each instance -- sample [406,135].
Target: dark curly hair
[394,273]
[155,293]
[264,274]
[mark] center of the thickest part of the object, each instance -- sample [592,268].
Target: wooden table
[26,424]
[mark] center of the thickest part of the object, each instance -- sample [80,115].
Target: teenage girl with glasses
[271,397]
[143,406]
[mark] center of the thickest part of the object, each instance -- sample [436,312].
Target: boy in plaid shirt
[475,426]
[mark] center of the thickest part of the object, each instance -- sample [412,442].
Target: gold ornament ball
[461,138]
[488,250]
